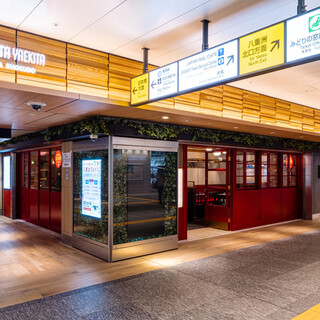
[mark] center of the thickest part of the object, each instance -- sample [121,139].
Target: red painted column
[307,186]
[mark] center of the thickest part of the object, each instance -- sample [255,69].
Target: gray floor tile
[281,314]
[43,309]
[92,300]
[304,303]
[123,312]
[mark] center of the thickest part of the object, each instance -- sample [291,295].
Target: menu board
[91,188]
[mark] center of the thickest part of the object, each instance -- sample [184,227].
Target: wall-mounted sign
[21,56]
[303,36]
[66,159]
[57,159]
[163,81]
[139,89]
[91,188]
[6,172]
[209,67]
[262,49]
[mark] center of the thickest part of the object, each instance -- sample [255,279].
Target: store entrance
[207,191]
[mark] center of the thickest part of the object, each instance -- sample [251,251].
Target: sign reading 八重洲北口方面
[209,67]
[21,56]
[262,49]
[91,188]
[303,36]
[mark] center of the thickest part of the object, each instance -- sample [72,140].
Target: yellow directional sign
[261,49]
[139,89]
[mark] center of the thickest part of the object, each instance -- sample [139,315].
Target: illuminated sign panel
[303,36]
[21,56]
[58,159]
[140,89]
[262,49]
[6,172]
[91,188]
[209,67]
[163,81]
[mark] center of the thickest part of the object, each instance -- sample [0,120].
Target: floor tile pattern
[276,280]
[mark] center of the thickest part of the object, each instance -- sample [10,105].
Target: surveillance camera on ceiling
[36,105]
[94,137]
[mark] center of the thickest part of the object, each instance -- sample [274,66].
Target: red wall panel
[271,205]
[44,207]
[55,209]
[245,209]
[33,205]
[291,205]
[6,202]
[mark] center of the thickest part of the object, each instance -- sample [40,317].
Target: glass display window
[34,170]
[44,170]
[289,170]
[246,170]
[217,173]
[25,176]
[269,170]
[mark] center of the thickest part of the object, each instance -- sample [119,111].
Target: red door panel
[6,202]
[271,209]
[291,203]
[216,213]
[55,209]
[245,209]
[44,203]
[24,203]
[33,205]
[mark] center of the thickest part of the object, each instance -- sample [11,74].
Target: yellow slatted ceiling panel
[7,38]
[87,71]
[53,74]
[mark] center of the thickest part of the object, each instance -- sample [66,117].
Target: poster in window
[91,188]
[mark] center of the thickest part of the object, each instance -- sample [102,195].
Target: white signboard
[6,172]
[209,67]
[91,188]
[163,81]
[66,159]
[303,36]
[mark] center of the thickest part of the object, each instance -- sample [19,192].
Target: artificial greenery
[104,125]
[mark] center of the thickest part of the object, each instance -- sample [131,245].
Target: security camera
[94,137]
[36,105]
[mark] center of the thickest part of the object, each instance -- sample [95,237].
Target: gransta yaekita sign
[21,57]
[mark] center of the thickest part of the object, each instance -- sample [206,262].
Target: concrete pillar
[67,197]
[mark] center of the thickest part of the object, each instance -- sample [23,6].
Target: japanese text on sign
[91,188]
[303,36]
[140,89]
[262,49]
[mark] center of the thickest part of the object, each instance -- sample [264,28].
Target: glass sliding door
[145,195]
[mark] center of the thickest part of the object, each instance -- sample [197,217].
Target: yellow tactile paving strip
[311,314]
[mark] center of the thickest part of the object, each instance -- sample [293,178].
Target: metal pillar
[205,33]
[145,59]
[301,8]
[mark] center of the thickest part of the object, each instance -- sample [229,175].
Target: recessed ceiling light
[165,117]
[209,149]
[301,136]
[235,127]
[31,114]
[55,24]
[217,154]
[272,132]
[187,120]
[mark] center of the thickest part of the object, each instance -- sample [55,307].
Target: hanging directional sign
[139,89]
[262,49]
[283,45]
[209,67]
[303,36]
[163,81]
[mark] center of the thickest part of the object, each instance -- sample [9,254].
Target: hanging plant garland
[103,125]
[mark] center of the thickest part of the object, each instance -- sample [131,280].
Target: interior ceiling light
[272,132]
[217,154]
[209,149]
[224,152]
[165,117]
[235,127]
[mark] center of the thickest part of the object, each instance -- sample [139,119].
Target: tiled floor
[275,280]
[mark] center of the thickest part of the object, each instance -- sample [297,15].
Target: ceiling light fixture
[209,149]
[217,154]
[272,132]
[165,117]
[235,127]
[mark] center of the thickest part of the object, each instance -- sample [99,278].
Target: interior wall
[315,183]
